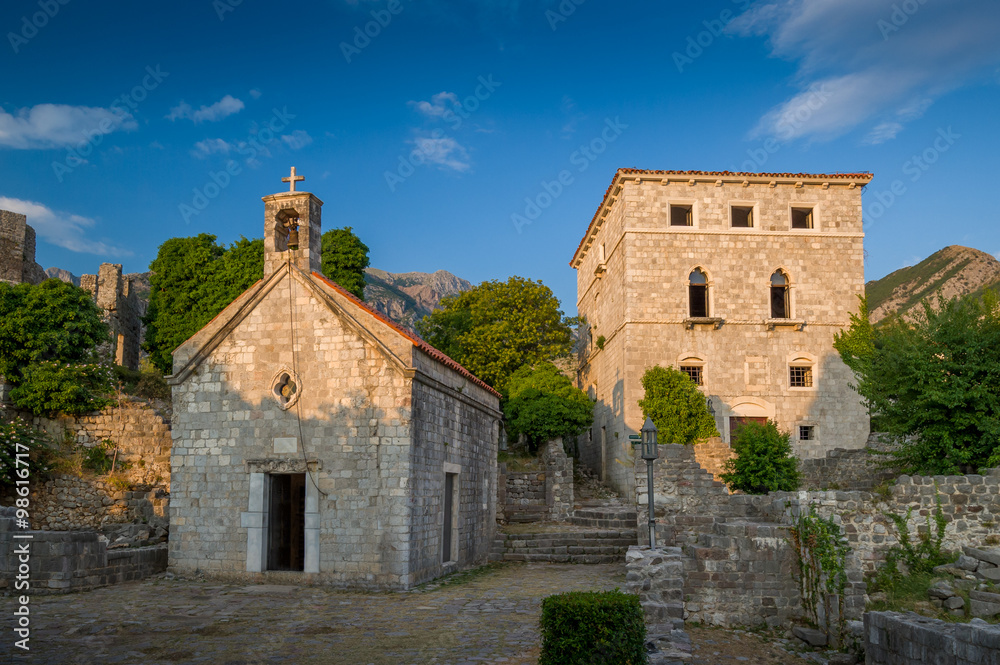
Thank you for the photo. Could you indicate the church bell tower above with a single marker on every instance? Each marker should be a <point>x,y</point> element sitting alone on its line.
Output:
<point>292,228</point>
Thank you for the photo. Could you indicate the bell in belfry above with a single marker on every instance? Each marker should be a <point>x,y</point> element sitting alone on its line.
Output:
<point>293,233</point>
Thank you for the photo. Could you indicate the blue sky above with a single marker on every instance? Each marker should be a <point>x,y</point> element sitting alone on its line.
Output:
<point>125,124</point>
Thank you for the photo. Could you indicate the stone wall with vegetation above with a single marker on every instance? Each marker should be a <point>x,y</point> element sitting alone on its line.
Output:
<point>67,502</point>
<point>910,639</point>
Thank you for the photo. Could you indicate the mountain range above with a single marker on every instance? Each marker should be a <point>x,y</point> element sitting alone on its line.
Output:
<point>950,272</point>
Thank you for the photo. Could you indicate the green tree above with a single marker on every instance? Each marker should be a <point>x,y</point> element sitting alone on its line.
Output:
<point>933,384</point>
<point>498,327</point>
<point>193,279</point>
<point>544,404</point>
<point>49,339</point>
<point>763,462</point>
<point>678,409</point>
<point>345,258</point>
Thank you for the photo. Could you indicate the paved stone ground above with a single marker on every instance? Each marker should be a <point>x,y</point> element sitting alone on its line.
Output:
<point>489,618</point>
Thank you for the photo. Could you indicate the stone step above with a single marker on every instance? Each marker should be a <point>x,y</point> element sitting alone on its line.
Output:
<point>626,534</point>
<point>609,517</point>
<point>569,546</point>
<point>566,558</point>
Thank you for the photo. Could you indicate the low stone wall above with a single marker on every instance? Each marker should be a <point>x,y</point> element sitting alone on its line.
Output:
<point>854,470</point>
<point>70,561</point>
<point>910,639</point>
<point>712,455</point>
<point>546,493</point>
<point>141,433</point>
<point>70,503</point>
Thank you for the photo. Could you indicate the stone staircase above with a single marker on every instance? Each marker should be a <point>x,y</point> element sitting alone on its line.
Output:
<point>564,544</point>
<point>605,517</point>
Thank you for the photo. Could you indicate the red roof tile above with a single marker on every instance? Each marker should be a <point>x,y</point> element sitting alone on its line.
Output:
<point>815,176</point>
<point>415,339</point>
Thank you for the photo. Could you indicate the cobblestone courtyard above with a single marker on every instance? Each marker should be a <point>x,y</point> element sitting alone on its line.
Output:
<point>487,618</point>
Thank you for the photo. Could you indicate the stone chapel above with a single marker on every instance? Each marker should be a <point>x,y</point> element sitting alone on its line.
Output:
<point>739,280</point>
<point>316,440</point>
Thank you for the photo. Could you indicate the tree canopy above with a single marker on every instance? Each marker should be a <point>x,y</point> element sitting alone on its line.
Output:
<point>544,404</point>
<point>678,409</point>
<point>933,384</point>
<point>498,327</point>
<point>193,279</point>
<point>345,258</point>
<point>49,339</point>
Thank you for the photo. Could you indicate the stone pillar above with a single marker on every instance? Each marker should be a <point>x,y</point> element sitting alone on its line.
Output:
<point>311,564</point>
<point>558,480</point>
<point>255,522</point>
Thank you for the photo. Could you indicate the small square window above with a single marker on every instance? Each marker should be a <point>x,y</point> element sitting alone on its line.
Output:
<point>681,215</point>
<point>695,372</point>
<point>800,377</point>
<point>807,433</point>
<point>802,218</point>
<point>742,217</point>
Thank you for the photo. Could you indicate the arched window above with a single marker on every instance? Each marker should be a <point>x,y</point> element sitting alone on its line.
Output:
<point>780,304</point>
<point>698,293</point>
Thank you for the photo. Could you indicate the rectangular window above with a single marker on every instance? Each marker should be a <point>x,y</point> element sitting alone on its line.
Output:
<point>802,218</point>
<point>693,371</point>
<point>699,301</point>
<point>800,376</point>
<point>681,215</point>
<point>448,543</point>
<point>742,217</point>
<point>806,433</point>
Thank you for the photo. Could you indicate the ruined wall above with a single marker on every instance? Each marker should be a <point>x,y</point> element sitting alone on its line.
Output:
<point>66,502</point>
<point>117,299</point>
<point>858,469</point>
<point>17,250</point>
<point>892,638</point>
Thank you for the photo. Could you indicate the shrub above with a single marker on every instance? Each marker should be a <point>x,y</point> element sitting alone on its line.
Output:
<point>52,387</point>
<point>146,382</point>
<point>677,407</point>
<point>101,457</point>
<point>544,404</point>
<point>593,628</point>
<point>763,461</point>
<point>17,436</point>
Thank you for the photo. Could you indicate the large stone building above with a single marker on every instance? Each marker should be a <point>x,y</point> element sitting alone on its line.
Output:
<point>312,435</point>
<point>739,279</point>
<point>17,250</point>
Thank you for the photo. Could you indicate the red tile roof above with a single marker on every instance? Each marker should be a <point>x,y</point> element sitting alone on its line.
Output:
<point>864,175</point>
<point>417,342</point>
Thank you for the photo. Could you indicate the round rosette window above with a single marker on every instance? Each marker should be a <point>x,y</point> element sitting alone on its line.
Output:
<point>286,388</point>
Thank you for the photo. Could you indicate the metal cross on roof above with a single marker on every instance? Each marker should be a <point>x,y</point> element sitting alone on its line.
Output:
<point>292,179</point>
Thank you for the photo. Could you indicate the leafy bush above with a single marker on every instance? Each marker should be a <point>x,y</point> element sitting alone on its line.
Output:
<point>17,436</point>
<point>763,461</point>
<point>919,558</point>
<point>677,407</point>
<point>52,387</point>
<point>593,628</point>
<point>544,404</point>
<point>101,457</point>
<point>147,382</point>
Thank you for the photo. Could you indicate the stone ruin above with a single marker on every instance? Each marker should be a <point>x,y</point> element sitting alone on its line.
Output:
<point>17,250</point>
<point>117,299</point>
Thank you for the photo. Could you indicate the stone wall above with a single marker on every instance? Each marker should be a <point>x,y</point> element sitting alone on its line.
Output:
<point>543,493</point>
<point>70,561</point>
<point>843,469</point>
<point>558,480</point>
<point>17,250</point>
<point>712,455</point>
<point>72,503</point>
<point>910,639</point>
<point>117,299</point>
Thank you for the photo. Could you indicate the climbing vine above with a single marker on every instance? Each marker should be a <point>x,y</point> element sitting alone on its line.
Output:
<point>821,553</point>
<point>920,557</point>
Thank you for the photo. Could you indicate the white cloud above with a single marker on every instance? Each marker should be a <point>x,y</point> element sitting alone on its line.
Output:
<point>445,152</point>
<point>61,229</point>
<point>876,61</point>
<point>440,104</point>
<point>223,108</point>
<point>59,126</point>
<point>255,93</point>
<point>208,147</point>
<point>297,139</point>
<point>883,132</point>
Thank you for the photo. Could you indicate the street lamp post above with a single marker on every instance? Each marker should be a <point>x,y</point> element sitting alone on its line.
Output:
<point>650,453</point>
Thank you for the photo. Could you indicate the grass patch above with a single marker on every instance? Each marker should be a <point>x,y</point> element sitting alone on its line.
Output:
<point>464,576</point>
<point>519,462</point>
